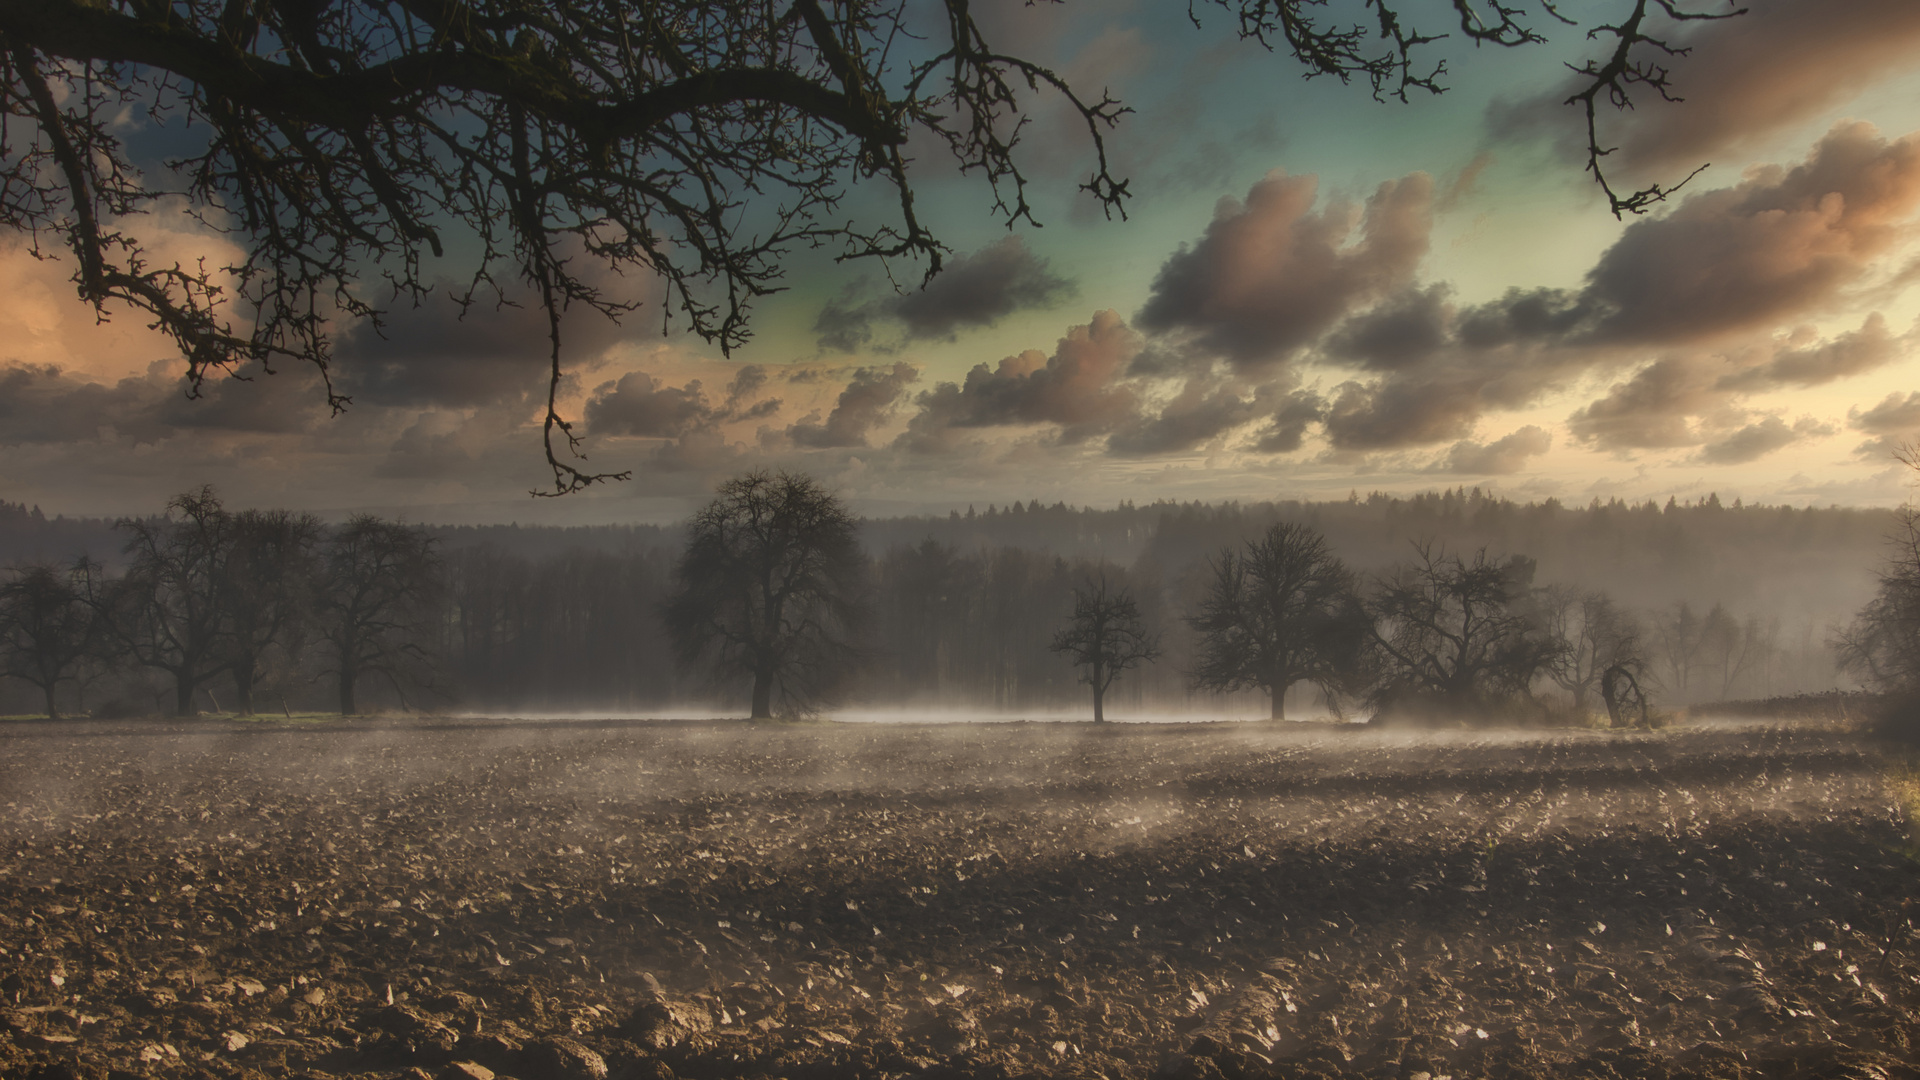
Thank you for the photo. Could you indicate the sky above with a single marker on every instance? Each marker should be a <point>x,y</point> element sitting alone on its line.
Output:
<point>1312,293</point>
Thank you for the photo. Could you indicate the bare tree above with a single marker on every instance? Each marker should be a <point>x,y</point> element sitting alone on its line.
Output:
<point>1105,636</point>
<point>1882,646</point>
<point>378,585</point>
<point>167,611</point>
<point>772,586</point>
<point>266,589</point>
<point>1283,611</point>
<point>1594,634</point>
<point>1679,637</point>
<point>1461,633</point>
<point>47,629</point>
<point>696,142</point>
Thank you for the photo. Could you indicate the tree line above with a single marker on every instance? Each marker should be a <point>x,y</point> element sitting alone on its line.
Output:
<point>228,600</point>
<point>229,609</point>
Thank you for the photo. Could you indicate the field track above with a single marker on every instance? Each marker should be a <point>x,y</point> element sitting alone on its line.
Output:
<point>581,899</point>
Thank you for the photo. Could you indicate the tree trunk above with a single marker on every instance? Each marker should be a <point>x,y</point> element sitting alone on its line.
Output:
<point>243,687</point>
<point>183,690</point>
<point>1278,692</point>
<point>347,706</point>
<point>1099,705</point>
<point>53,711</point>
<point>762,695</point>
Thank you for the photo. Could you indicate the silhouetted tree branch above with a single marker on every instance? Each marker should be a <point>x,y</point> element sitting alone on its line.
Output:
<point>698,143</point>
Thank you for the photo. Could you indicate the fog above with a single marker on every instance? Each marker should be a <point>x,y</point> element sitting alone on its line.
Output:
<point>559,622</point>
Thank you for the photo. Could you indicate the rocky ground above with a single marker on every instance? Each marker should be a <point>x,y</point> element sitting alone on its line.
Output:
<point>576,900</point>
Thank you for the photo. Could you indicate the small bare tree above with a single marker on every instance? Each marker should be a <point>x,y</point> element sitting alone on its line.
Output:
<point>1594,635</point>
<point>47,629</point>
<point>772,586</point>
<point>1105,636</point>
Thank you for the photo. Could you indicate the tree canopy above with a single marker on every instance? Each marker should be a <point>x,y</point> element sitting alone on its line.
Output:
<point>557,147</point>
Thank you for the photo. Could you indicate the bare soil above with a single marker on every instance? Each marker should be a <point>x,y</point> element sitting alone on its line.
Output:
<point>580,899</point>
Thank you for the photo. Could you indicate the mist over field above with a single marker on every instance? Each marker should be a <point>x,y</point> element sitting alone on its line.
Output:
<point>564,621</point>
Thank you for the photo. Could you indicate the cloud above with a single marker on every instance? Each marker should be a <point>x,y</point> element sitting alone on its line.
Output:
<point>636,404</point>
<point>1287,429</point>
<point>1660,404</point>
<point>1204,409</point>
<point>1894,422</point>
<point>1402,331</point>
<point>1502,457</point>
<point>1744,79</point>
<point>1781,243</point>
<point>640,405</point>
<point>43,403</point>
<point>1271,275</point>
<point>866,403</point>
<point>1075,388</point>
<point>432,355</point>
<point>1398,413</point>
<point>1811,364</point>
<point>1650,410</point>
<point>975,290</point>
<point>1757,440</point>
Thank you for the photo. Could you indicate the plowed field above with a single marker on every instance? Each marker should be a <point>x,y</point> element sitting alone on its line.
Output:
<point>473,898</point>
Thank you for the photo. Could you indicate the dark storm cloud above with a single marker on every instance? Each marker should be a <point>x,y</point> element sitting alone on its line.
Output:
<point>431,355</point>
<point>1502,457</point>
<point>1074,389</point>
<point>975,290</point>
<point>865,404</point>
<point>1271,275</point>
<point>1758,439</point>
<point>1781,64</point>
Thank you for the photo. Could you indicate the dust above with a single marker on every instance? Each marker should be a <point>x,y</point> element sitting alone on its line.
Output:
<point>588,897</point>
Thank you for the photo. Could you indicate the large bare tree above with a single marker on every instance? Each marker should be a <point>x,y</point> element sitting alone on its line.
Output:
<point>772,587</point>
<point>694,142</point>
<point>267,590</point>
<point>379,583</point>
<point>1282,610</point>
<point>167,612</point>
<point>1460,633</point>
<point>47,629</point>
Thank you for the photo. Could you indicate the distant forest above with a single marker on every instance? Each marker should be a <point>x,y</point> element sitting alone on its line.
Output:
<point>1733,601</point>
